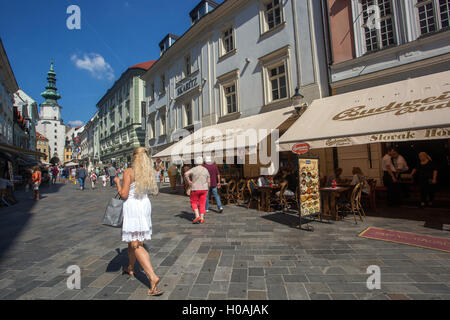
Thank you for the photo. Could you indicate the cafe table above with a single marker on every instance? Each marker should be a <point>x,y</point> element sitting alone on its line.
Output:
<point>265,194</point>
<point>329,195</point>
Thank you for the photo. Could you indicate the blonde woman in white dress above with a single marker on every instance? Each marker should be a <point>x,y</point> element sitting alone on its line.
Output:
<point>137,224</point>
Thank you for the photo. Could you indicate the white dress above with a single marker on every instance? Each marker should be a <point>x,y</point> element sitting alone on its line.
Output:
<point>137,217</point>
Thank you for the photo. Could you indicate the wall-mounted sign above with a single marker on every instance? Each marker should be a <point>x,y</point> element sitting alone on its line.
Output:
<point>300,148</point>
<point>187,85</point>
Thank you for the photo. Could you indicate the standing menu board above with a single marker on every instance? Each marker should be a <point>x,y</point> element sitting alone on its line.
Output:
<point>309,180</point>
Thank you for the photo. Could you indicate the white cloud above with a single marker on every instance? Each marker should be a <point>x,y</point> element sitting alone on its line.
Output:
<point>76,123</point>
<point>95,64</point>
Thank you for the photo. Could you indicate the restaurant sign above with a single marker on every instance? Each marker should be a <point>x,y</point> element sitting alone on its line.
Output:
<point>300,148</point>
<point>398,109</point>
<point>187,85</point>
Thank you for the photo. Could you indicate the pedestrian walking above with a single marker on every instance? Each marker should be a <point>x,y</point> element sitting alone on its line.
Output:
<point>74,174</point>
<point>81,176</point>
<point>173,172</point>
<point>137,224</point>
<point>36,180</point>
<point>93,178</point>
<point>55,172</point>
<point>426,175</point>
<point>112,172</point>
<point>103,178</point>
<point>199,189</point>
<point>214,176</point>
<point>158,177</point>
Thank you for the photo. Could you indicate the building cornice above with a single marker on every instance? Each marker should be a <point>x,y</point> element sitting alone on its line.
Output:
<point>392,71</point>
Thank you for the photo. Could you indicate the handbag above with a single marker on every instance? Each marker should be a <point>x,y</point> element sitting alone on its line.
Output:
<point>114,213</point>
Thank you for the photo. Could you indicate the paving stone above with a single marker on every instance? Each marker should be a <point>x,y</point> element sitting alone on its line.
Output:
<point>237,291</point>
<point>276,292</point>
<point>319,296</point>
<point>343,296</point>
<point>239,275</point>
<point>433,288</point>
<point>294,278</point>
<point>199,291</point>
<point>204,278</point>
<point>296,291</point>
<point>257,295</point>
<point>220,286</point>
<point>180,292</point>
<point>257,283</point>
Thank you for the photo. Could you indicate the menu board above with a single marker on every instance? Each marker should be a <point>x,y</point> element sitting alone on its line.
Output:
<point>309,180</point>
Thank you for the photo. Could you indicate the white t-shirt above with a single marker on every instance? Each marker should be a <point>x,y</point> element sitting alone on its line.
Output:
<point>262,182</point>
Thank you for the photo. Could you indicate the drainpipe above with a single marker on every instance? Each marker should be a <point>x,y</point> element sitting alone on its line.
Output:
<point>297,48</point>
<point>327,39</point>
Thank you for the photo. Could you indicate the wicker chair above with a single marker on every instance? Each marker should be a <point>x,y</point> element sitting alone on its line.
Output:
<point>253,194</point>
<point>286,201</point>
<point>241,190</point>
<point>230,192</point>
<point>354,206</point>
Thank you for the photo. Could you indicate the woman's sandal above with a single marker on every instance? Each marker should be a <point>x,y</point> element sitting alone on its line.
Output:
<point>155,291</point>
<point>196,220</point>
<point>128,271</point>
<point>202,221</point>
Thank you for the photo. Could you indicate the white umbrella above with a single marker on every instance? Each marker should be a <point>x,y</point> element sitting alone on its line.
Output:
<point>71,164</point>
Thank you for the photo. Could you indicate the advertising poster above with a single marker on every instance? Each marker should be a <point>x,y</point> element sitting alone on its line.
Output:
<point>309,179</point>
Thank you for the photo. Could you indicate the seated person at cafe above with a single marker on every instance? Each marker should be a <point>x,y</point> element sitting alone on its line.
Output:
<point>358,177</point>
<point>262,181</point>
<point>336,176</point>
<point>285,180</point>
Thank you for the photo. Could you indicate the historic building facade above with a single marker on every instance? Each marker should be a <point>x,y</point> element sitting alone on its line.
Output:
<point>50,122</point>
<point>8,86</point>
<point>43,147</point>
<point>120,117</point>
<point>238,59</point>
<point>28,110</point>
<point>377,42</point>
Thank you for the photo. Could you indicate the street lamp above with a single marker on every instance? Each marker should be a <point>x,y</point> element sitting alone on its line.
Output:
<point>296,98</point>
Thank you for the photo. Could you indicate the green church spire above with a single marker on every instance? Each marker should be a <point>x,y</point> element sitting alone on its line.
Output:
<point>50,94</point>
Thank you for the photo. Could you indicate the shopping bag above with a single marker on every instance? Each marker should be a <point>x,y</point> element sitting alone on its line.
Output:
<point>113,215</point>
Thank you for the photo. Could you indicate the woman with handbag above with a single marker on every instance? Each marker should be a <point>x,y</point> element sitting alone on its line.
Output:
<point>137,225</point>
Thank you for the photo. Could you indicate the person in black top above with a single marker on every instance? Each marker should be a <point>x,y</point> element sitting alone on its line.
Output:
<point>426,177</point>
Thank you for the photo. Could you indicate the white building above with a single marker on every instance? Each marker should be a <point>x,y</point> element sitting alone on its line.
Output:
<point>238,59</point>
<point>50,122</point>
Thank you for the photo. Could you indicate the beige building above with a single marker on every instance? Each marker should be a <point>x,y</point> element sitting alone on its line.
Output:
<point>42,146</point>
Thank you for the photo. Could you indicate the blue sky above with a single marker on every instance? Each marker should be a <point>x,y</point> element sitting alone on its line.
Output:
<point>114,35</point>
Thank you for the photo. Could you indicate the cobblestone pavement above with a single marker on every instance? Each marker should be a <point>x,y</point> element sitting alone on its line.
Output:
<point>240,254</point>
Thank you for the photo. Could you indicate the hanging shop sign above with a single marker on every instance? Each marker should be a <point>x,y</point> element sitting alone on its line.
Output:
<point>186,85</point>
<point>300,148</point>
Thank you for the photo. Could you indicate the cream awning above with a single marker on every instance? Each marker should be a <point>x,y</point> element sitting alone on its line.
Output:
<point>228,138</point>
<point>413,109</point>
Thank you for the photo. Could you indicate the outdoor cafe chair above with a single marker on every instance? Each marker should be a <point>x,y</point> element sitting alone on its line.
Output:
<point>353,205</point>
<point>241,190</point>
<point>230,191</point>
<point>286,201</point>
<point>253,194</point>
